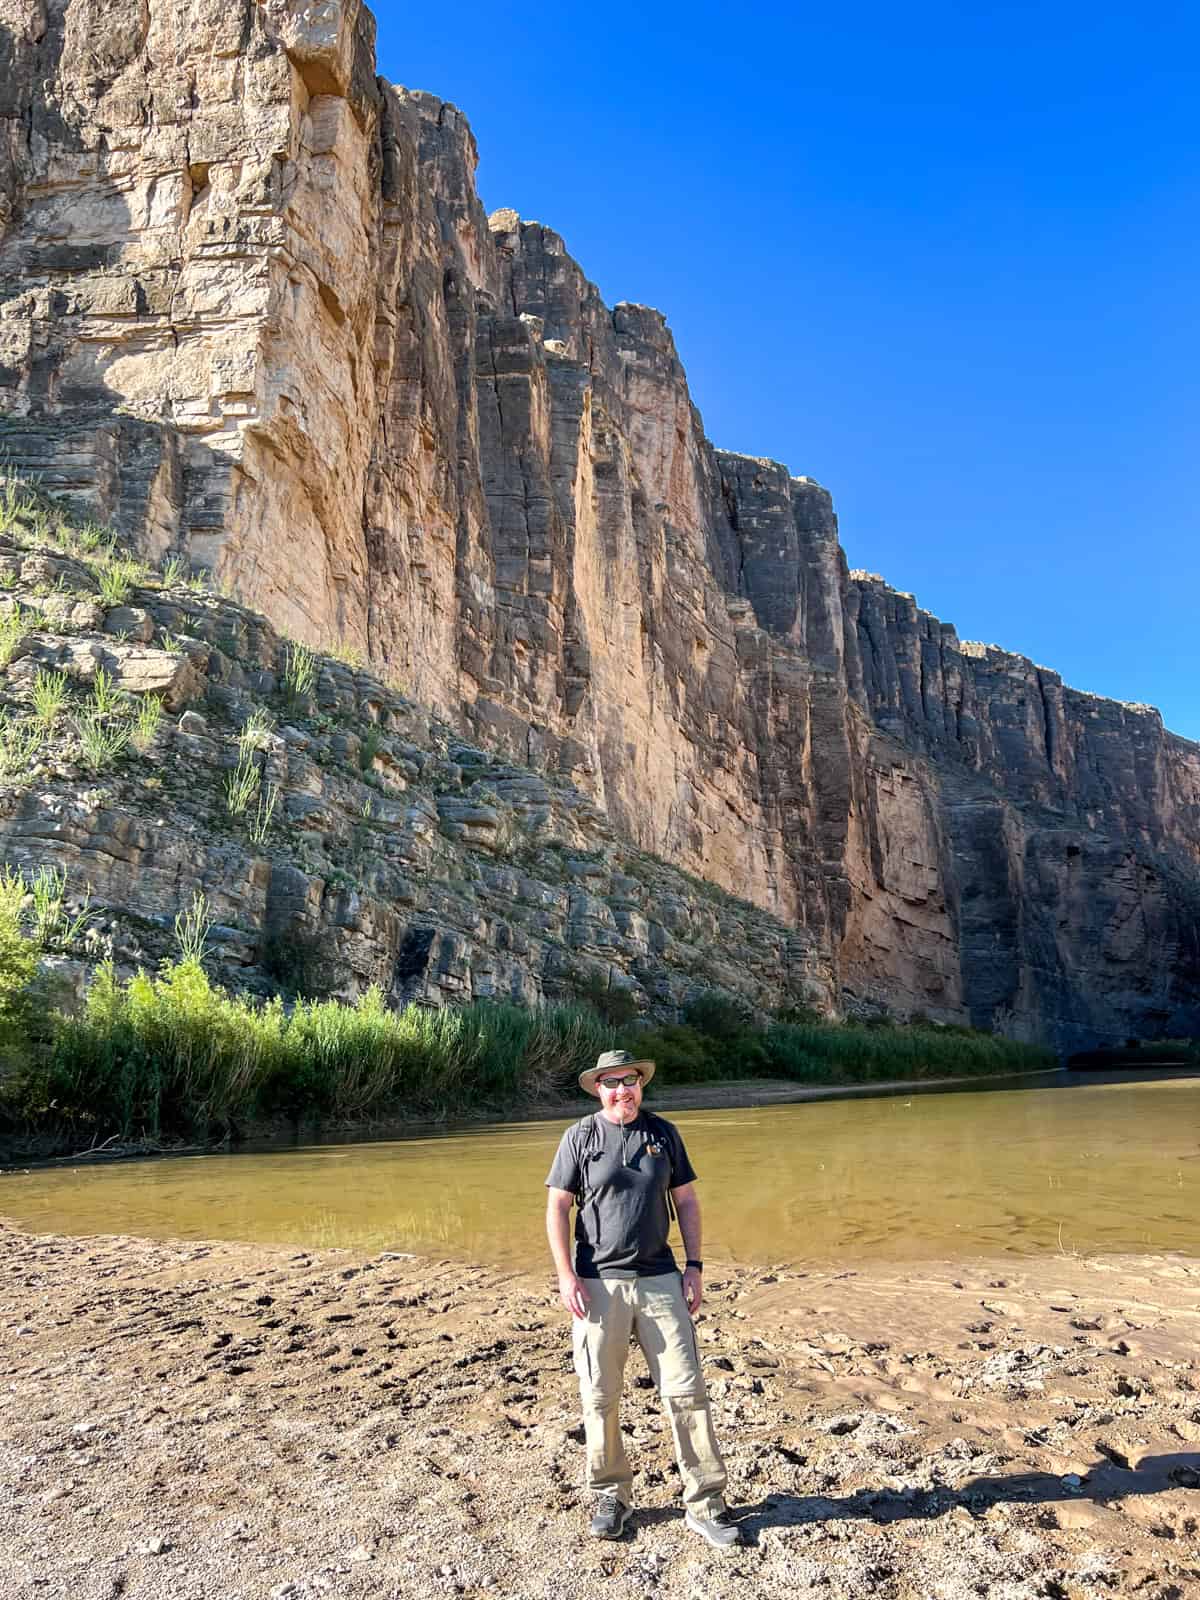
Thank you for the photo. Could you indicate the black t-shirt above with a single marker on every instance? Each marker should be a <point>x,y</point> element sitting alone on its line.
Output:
<point>623,1172</point>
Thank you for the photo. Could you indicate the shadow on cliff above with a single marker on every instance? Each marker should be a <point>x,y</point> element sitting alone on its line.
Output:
<point>60,423</point>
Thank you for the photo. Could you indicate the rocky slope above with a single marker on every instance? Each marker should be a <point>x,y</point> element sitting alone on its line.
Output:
<point>251,308</point>
<point>340,835</point>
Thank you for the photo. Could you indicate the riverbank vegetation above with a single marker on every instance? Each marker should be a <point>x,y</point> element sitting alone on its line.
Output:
<point>172,1056</point>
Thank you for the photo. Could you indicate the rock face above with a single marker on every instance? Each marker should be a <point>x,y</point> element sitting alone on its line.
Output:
<point>370,844</point>
<point>251,309</point>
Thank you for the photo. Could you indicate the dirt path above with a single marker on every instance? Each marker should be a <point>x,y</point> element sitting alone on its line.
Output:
<point>224,1422</point>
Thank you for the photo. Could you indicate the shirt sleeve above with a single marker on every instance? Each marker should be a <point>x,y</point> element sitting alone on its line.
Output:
<point>564,1172</point>
<point>682,1170</point>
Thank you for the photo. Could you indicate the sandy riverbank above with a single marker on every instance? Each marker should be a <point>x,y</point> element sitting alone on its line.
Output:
<point>225,1422</point>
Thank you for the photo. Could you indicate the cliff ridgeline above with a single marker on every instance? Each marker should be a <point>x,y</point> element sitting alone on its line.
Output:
<point>252,313</point>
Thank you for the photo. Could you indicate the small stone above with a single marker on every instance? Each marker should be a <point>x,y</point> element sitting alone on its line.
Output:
<point>156,1546</point>
<point>361,1552</point>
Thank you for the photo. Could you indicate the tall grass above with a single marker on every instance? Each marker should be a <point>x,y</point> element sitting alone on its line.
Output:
<point>849,1053</point>
<point>176,1055</point>
<point>715,1043</point>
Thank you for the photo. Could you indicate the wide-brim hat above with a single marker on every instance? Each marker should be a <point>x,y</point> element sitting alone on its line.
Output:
<point>614,1061</point>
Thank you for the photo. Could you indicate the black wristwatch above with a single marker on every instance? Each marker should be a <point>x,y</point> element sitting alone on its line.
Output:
<point>699,1265</point>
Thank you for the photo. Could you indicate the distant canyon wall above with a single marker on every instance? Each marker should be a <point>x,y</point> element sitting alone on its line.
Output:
<point>252,310</point>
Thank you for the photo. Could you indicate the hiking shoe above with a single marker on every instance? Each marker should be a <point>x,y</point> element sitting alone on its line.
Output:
<point>609,1518</point>
<point>720,1532</point>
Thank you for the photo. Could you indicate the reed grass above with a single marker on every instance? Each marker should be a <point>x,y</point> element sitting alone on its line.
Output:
<point>175,1055</point>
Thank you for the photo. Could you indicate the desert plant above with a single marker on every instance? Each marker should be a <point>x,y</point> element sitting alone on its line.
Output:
<point>13,628</point>
<point>350,655</point>
<point>119,578</point>
<point>299,670</point>
<point>255,732</point>
<point>192,928</point>
<point>108,698</point>
<point>259,825</point>
<point>16,501</point>
<point>173,570</point>
<point>146,722</point>
<point>54,927</point>
<point>49,695</point>
<point>241,786</point>
<point>92,536</point>
<point>99,741</point>
<point>20,743</point>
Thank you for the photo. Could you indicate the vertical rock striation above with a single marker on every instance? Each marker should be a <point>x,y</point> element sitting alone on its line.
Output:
<point>251,308</point>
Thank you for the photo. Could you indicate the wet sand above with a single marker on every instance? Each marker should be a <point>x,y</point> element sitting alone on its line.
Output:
<point>228,1422</point>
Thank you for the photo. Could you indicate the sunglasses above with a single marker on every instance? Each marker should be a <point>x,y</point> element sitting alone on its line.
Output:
<point>625,1082</point>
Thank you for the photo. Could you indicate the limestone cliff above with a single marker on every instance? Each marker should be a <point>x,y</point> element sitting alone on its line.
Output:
<point>252,310</point>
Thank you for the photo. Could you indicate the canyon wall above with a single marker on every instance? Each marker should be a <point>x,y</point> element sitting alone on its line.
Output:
<point>251,310</point>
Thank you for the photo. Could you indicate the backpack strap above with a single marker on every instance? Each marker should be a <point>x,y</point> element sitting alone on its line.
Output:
<point>590,1142</point>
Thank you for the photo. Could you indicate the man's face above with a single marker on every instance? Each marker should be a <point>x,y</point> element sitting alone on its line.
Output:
<point>620,1094</point>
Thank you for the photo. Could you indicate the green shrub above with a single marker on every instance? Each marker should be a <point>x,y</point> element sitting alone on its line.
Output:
<point>681,1053</point>
<point>617,1005</point>
<point>718,1015</point>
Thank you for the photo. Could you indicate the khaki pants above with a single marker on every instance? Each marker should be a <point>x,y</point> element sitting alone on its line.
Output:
<point>654,1309</point>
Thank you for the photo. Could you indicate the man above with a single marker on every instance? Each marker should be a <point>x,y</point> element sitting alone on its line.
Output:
<point>618,1167</point>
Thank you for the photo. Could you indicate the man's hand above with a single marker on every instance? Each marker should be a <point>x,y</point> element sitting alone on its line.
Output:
<point>692,1291</point>
<point>572,1294</point>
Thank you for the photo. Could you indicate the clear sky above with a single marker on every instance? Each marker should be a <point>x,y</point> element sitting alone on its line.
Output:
<point>942,258</point>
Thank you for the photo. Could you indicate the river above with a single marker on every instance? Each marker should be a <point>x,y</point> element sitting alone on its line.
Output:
<point>1086,1165</point>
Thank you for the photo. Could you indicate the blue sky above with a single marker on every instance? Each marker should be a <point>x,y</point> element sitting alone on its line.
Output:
<point>943,260</point>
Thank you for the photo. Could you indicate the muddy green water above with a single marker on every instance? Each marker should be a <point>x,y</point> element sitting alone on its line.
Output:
<point>1088,1166</point>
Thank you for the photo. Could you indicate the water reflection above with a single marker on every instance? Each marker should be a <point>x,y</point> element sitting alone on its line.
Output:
<point>1089,1166</point>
